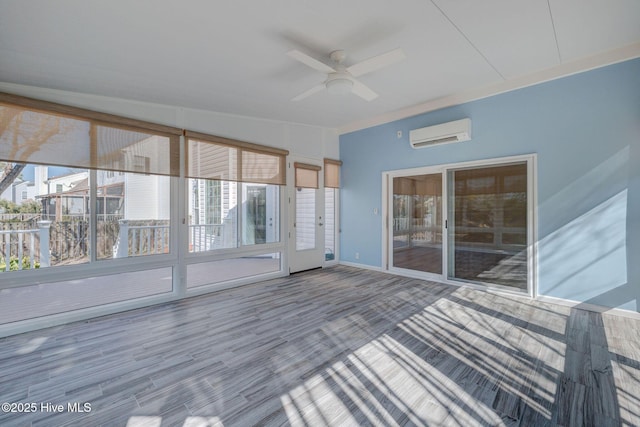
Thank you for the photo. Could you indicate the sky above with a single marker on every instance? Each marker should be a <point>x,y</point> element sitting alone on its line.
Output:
<point>28,171</point>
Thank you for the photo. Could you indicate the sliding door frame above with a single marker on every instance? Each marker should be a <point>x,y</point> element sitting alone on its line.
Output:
<point>532,224</point>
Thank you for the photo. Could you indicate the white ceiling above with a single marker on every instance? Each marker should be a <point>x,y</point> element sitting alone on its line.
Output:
<point>230,56</point>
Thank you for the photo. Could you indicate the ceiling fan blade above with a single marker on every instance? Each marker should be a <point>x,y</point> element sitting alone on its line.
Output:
<point>377,62</point>
<point>310,62</point>
<point>310,92</point>
<point>363,91</point>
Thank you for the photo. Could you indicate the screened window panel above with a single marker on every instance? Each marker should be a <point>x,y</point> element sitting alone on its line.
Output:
<point>35,137</point>
<point>223,160</point>
<point>211,161</point>
<point>332,173</point>
<point>306,175</point>
<point>131,151</point>
<point>30,136</point>
<point>262,168</point>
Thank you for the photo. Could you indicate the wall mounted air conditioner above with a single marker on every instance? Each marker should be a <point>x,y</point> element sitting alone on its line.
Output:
<point>445,133</point>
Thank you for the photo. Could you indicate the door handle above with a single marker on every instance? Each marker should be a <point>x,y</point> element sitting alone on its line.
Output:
<point>320,224</point>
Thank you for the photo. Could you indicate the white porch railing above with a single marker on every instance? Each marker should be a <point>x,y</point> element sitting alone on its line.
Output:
<point>32,246</point>
<point>135,240</point>
<point>154,239</point>
<point>21,244</point>
<point>205,237</point>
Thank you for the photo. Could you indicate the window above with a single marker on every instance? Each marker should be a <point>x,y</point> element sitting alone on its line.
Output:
<point>330,208</point>
<point>225,214</point>
<point>213,202</point>
<point>105,186</point>
<point>134,215</point>
<point>141,164</point>
<point>331,189</point>
<point>234,190</point>
<point>24,195</point>
<point>89,164</point>
<point>213,217</point>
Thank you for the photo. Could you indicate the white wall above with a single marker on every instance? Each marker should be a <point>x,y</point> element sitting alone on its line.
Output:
<point>303,140</point>
<point>27,186</point>
<point>40,176</point>
<point>7,194</point>
<point>146,197</point>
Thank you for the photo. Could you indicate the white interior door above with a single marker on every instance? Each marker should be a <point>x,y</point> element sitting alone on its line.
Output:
<point>306,243</point>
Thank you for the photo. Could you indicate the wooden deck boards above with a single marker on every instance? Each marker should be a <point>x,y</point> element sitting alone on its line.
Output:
<point>339,346</point>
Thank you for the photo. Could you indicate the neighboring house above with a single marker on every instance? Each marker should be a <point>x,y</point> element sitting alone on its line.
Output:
<point>20,191</point>
<point>12,195</point>
<point>24,191</point>
<point>66,196</point>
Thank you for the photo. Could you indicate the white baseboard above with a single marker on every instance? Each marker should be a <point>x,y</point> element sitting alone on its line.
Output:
<point>542,298</point>
<point>589,307</point>
<point>363,266</point>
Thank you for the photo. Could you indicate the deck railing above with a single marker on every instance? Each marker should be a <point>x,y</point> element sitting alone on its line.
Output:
<point>154,239</point>
<point>32,248</point>
<point>141,240</point>
<point>205,237</point>
<point>28,248</point>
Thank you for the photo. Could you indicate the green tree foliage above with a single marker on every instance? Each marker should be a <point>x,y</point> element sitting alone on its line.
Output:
<point>30,206</point>
<point>14,266</point>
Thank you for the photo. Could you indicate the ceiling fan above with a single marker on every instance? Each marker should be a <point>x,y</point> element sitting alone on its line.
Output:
<point>341,79</point>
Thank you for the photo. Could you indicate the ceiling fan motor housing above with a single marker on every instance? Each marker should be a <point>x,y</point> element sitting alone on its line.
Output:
<point>339,83</point>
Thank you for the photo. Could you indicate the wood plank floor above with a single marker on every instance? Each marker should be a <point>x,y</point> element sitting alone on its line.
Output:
<point>339,346</point>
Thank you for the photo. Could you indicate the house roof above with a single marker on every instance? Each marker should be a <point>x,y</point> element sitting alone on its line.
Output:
<point>231,57</point>
<point>77,187</point>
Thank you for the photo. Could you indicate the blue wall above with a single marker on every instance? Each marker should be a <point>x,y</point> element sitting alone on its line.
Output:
<point>585,130</point>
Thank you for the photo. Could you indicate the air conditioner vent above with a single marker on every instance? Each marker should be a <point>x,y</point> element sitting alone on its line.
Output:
<point>456,131</point>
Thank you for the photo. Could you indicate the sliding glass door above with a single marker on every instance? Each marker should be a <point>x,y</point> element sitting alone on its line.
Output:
<point>417,223</point>
<point>463,222</point>
<point>487,225</point>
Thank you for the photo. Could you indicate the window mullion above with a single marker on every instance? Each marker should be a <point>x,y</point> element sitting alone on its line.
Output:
<point>93,194</point>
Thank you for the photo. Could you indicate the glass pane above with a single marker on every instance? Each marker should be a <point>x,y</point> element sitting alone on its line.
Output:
<point>305,218</point>
<point>29,136</point>
<point>133,213</point>
<point>213,214</point>
<point>44,217</point>
<point>31,301</point>
<point>330,224</point>
<point>260,214</point>
<point>417,223</point>
<point>231,269</point>
<point>233,161</point>
<point>488,225</point>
